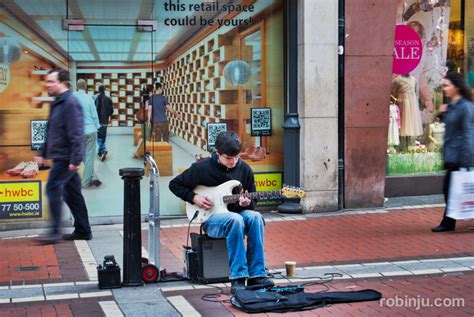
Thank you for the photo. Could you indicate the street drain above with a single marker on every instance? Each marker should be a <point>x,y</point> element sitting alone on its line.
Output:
<point>27,268</point>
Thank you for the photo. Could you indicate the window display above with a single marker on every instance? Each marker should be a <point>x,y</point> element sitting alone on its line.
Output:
<point>418,93</point>
<point>216,62</point>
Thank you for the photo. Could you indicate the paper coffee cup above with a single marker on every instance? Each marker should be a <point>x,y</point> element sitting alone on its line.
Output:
<point>290,268</point>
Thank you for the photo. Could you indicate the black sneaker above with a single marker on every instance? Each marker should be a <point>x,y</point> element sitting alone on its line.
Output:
<point>259,282</point>
<point>237,284</point>
<point>441,228</point>
<point>77,236</point>
<point>96,182</point>
<point>51,238</point>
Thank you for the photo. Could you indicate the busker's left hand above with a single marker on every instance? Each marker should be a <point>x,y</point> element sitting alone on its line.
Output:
<point>244,201</point>
<point>73,167</point>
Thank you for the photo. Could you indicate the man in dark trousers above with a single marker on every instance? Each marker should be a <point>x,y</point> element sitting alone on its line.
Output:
<point>65,146</point>
<point>225,165</point>
<point>157,107</point>
<point>105,109</point>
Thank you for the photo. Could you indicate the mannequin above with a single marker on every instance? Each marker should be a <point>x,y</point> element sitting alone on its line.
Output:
<point>393,125</point>
<point>404,89</point>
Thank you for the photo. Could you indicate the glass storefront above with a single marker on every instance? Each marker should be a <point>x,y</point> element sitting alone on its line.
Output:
<point>415,136</point>
<point>220,63</point>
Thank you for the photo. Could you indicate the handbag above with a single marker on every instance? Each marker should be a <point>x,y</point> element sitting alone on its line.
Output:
<point>142,115</point>
<point>461,195</point>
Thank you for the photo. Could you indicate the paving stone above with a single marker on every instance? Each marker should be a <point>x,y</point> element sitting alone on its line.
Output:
<point>70,289</point>
<point>147,293</point>
<point>149,309</point>
<point>19,293</point>
<point>466,262</point>
<point>368,269</point>
<point>429,265</point>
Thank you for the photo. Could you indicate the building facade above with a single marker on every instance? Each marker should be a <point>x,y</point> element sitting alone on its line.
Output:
<point>306,84</point>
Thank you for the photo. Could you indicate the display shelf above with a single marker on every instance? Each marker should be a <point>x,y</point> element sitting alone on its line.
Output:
<point>125,91</point>
<point>198,92</point>
<point>43,99</point>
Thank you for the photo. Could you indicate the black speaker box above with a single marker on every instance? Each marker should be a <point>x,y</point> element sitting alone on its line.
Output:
<point>213,262</point>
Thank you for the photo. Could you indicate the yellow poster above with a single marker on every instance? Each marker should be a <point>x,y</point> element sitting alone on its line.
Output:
<point>268,181</point>
<point>20,199</point>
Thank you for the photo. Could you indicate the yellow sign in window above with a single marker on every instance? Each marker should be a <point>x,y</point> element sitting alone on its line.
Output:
<point>20,191</point>
<point>268,181</point>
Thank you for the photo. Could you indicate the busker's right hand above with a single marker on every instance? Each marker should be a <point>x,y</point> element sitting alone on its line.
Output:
<point>202,202</point>
<point>38,159</point>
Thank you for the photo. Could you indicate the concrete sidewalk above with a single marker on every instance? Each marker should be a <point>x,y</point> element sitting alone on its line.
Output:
<point>390,250</point>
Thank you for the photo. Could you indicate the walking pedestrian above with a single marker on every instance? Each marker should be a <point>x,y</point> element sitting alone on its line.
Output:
<point>458,147</point>
<point>105,109</point>
<point>91,125</point>
<point>65,146</point>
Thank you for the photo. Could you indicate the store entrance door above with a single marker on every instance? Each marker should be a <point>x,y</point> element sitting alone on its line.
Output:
<point>119,71</point>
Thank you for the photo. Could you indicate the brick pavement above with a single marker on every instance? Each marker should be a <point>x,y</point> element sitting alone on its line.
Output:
<point>316,240</point>
<point>398,234</point>
<point>61,308</point>
<point>418,296</point>
<point>23,261</point>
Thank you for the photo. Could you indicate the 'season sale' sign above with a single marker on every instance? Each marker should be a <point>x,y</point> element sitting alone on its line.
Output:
<point>407,50</point>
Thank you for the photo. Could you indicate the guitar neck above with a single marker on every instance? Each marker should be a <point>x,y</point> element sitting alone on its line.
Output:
<point>229,199</point>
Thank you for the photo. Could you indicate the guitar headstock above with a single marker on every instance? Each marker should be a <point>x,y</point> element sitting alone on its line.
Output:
<point>290,191</point>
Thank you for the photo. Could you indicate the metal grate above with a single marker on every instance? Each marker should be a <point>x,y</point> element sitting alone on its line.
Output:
<point>27,268</point>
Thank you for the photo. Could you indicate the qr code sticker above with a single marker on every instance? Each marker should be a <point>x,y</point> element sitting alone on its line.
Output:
<point>38,134</point>
<point>213,130</point>
<point>261,121</point>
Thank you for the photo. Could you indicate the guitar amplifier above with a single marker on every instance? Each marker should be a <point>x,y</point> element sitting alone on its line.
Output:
<point>211,256</point>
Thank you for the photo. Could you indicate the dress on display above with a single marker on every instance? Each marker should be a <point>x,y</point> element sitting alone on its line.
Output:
<point>394,125</point>
<point>405,90</point>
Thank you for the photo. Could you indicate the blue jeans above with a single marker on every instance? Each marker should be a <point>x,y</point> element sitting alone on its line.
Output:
<point>233,227</point>
<point>101,136</point>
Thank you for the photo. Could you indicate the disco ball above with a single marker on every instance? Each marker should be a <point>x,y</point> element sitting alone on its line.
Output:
<point>10,51</point>
<point>237,72</point>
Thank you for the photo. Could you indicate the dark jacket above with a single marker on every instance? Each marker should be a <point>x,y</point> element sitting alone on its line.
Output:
<point>209,172</point>
<point>105,108</point>
<point>65,135</point>
<point>458,145</point>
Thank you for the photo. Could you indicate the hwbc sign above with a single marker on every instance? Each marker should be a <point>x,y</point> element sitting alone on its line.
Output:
<point>407,50</point>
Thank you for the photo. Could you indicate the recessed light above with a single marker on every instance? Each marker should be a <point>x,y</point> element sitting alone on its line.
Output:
<point>25,51</point>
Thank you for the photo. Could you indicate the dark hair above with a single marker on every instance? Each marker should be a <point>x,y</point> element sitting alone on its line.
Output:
<point>458,81</point>
<point>228,143</point>
<point>158,86</point>
<point>101,88</point>
<point>420,28</point>
<point>63,75</point>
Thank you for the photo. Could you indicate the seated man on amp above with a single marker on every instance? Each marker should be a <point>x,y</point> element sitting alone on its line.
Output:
<point>222,166</point>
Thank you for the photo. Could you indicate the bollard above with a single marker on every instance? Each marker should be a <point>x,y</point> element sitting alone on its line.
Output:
<point>132,240</point>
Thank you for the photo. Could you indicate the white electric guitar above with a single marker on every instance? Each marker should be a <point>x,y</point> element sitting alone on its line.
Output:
<point>222,195</point>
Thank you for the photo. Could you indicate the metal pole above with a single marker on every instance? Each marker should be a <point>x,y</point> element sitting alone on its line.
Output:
<point>291,126</point>
<point>132,240</point>
<point>341,121</point>
<point>154,213</point>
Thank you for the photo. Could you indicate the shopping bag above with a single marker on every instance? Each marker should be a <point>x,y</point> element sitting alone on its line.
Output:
<point>461,195</point>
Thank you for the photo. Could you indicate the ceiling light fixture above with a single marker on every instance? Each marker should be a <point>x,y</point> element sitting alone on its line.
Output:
<point>10,53</point>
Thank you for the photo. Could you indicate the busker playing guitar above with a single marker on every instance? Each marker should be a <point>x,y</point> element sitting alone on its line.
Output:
<point>222,166</point>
